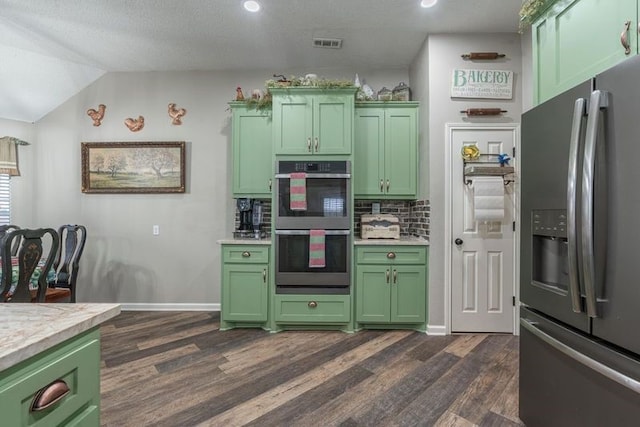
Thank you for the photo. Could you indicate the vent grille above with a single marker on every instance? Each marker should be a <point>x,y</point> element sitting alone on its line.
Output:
<point>327,43</point>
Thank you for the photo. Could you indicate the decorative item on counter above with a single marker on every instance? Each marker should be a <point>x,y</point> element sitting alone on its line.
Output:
<point>282,80</point>
<point>385,94</point>
<point>483,111</point>
<point>176,114</point>
<point>470,152</point>
<point>256,94</point>
<point>239,94</point>
<point>368,92</point>
<point>134,125</point>
<point>97,115</point>
<point>319,82</point>
<point>503,159</point>
<point>402,92</point>
<point>482,55</point>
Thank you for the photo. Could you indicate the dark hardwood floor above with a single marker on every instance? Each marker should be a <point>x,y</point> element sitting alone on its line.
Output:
<point>177,369</point>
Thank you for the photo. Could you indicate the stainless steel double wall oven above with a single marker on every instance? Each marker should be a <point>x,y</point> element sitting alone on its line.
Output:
<point>328,208</point>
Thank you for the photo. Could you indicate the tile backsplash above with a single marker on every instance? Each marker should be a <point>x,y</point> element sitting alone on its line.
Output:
<point>413,215</point>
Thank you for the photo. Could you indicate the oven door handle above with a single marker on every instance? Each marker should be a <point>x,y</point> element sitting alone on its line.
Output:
<point>316,175</point>
<point>306,232</point>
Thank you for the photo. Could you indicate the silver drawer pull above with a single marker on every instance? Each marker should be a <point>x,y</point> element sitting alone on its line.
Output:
<point>312,304</point>
<point>49,395</point>
<point>391,255</point>
<point>246,254</point>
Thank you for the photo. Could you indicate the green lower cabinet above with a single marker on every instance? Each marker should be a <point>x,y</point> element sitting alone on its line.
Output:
<point>245,285</point>
<point>388,290</point>
<point>76,363</point>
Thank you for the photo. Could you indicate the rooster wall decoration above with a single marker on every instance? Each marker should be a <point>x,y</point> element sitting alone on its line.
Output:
<point>97,115</point>
<point>134,125</point>
<point>176,114</point>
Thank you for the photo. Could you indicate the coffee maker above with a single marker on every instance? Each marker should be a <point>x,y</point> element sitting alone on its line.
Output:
<point>245,209</point>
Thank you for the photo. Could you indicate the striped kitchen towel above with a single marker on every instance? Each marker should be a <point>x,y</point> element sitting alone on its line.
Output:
<point>316,249</point>
<point>298,191</point>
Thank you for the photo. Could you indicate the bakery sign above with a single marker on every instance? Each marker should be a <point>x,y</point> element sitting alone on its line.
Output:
<point>494,84</point>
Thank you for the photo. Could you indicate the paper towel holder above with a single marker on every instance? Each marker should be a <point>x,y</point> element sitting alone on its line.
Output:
<point>473,170</point>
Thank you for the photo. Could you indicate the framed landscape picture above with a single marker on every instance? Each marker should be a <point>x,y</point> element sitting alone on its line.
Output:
<point>133,167</point>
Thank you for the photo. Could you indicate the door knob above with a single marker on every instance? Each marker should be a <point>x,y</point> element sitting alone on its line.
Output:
<point>458,241</point>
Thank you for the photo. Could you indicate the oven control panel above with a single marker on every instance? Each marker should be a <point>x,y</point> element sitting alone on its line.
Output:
<point>334,166</point>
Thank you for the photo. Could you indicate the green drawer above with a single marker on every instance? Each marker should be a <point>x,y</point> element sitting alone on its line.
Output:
<point>391,254</point>
<point>319,309</point>
<point>255,254</point>
<point>77,363</point>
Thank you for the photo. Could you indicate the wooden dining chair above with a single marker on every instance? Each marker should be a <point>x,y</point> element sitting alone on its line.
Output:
<point>67,261</point>
<point>36,253</point>
<point>4,229</point>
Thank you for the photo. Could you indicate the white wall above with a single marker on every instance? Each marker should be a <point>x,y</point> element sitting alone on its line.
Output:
<point>123,262</point>
<point>430,74</point>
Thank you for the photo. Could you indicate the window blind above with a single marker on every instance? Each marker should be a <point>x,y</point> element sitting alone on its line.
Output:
<point>5,199</point>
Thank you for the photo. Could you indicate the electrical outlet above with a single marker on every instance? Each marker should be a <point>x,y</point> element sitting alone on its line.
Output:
<point>375,208</point>
<point>156,230</point>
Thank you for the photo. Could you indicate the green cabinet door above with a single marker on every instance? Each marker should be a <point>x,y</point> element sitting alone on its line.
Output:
<point>408,294</point>
<point>244,293</point>
<point>368,152</point>
<point>386,151</point>
<point>576,39</point>
<point>372,294</point>
<point>252,146</point>
<point>401,152</point>
<point>245,285</point>
<point>310,121</point>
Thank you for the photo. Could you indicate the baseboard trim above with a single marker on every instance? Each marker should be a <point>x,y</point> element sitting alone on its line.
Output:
<point>134,306</point>
<point>438,330</point>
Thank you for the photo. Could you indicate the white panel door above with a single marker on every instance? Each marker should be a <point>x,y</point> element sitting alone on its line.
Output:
<point>482,258</point>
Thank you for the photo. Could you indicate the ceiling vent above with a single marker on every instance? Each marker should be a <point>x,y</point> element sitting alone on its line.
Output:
<point>327,43</point>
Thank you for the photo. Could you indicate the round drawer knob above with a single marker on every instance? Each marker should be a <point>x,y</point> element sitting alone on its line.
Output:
<point>312,304</point>
<point>391,255</point>
<point>246,254</point>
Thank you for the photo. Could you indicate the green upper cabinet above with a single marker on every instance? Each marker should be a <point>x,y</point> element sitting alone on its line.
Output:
<point>252,146</point>
<point>576,39</point>
<point>386,150</point>
<point>311,121</point>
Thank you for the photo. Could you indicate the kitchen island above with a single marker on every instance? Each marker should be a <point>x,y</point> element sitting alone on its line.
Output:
<point>50,363</point>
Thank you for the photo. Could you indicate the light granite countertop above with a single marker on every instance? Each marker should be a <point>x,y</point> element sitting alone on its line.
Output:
<point>404,240</point>
<point>28,329</point>
<point>244,241</point>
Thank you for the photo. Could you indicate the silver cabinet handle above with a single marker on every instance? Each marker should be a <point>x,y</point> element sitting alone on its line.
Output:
<point>590,363</point>
<point>599,100</point>
<point>387,274</point>
<point>579,111</point>
<point>387,186</point>
<point>381,185</point>
<point>317,143</point>
<point>264,275</point>
<point>270,184</point>
<point>624,38</point>
<point>246,254</point>
<point>309,144</point>
<point>395,276</point>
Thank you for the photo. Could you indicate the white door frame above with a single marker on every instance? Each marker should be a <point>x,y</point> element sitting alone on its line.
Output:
<point>449,180</point>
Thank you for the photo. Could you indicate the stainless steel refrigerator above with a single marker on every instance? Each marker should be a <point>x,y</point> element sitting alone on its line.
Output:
<point>580,255</point>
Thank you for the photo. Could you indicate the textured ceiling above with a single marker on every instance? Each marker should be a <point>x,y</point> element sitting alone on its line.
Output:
<point>51,49</point>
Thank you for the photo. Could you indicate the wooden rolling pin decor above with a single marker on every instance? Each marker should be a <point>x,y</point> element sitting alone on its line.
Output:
<point>483,111</point>
<point>483,55</point>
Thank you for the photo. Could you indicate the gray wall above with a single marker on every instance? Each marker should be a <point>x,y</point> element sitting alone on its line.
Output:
<point>430,75</point>
<point>123,262</point>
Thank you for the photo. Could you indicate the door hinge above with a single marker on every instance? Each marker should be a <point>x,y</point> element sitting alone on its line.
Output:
<point>513,300</point>
<point>514,152</point>
<point>514,226</point>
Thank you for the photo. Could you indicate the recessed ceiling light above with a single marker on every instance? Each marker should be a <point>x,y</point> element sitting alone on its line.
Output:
<point>252,6</point>
<point>428,3</point>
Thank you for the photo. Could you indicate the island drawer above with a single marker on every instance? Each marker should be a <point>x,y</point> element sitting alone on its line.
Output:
<point>312,309</point>
<point>77,363</point>
<point>244,254</point>
<point>378,254</point>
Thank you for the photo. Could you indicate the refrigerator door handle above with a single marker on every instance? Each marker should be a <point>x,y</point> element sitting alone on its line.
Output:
<point>579,111</point>
<point>599,100</point>
<point>590,363</point>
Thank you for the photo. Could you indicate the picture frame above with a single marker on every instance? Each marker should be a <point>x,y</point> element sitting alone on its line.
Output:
<point>133,167</point>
